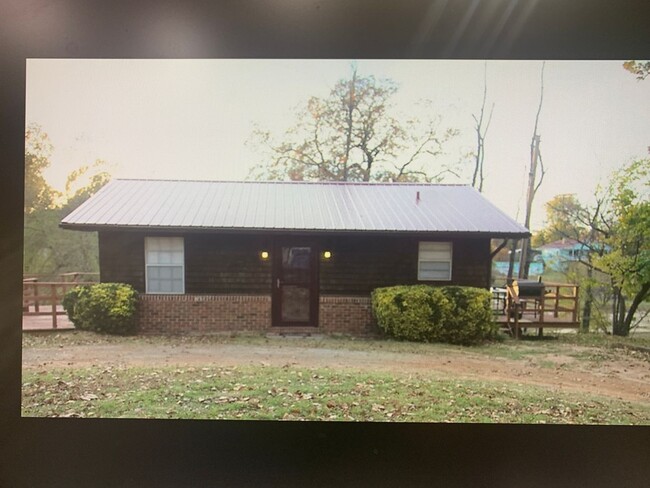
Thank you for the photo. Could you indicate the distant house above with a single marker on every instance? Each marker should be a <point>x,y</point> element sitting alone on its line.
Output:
<point>556,255</point>
<point>284,256</point>
<point>536,266</point>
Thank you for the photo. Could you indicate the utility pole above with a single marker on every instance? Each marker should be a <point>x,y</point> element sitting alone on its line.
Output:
<point>511,258</point>
<point>530,195</point>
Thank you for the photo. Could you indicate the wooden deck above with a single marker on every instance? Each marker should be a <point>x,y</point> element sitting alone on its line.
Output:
<point>43,322</point>
<point>548,322</point>
<point>556,308</point>
<point>42,302</point>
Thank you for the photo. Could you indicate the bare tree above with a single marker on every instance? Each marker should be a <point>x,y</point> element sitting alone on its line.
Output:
<point>354,135</point>
<point>534,182</point>
<point>481,132</point>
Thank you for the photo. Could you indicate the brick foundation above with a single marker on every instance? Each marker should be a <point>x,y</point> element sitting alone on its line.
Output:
<point>173,314</point>
<point>346,315</point>
<point>203,314</point>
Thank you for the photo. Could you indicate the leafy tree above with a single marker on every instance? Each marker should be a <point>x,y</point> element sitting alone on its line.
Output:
<point>616,233</point>
<point>641,69</point>
<point>48,249</point>
<point>353,135</point>
<point>565,217</point>
<point>628,235</point>
<point>38,149</point>
<point>84,182</point>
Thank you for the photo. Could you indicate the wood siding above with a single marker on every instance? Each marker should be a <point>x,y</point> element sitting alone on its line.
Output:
<point>361,263</point>
<point>231,264</point>
<point>223,264</point>
<point>121,258</point>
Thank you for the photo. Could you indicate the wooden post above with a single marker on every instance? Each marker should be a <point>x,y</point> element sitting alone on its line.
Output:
<point>516,321</point>
<point>53,301</point>
<point>575,303</point>
<point>35,290</point>
<point>25,297</point>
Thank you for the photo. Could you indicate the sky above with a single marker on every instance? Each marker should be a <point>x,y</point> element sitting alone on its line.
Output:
<point>193,119</point>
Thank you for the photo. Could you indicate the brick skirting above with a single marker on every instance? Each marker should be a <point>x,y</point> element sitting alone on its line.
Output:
<point>174,314</point>
<point>346,315</point>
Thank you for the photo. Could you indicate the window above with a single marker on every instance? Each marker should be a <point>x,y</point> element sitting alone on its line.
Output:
<point>165,264</point>
<point>434,261</point>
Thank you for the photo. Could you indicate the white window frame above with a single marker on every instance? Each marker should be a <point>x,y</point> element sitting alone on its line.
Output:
<point>450,260</point>
<point>147,265</point>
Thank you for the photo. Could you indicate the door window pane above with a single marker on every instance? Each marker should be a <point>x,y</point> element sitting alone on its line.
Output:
<point>296,264</point>
<point>295,303</point>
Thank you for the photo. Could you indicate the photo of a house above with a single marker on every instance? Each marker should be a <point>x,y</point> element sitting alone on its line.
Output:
<point>333,240</point>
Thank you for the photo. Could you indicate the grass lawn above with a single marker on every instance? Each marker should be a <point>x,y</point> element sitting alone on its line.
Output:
<point>318,393</point>
<point>259,392</point>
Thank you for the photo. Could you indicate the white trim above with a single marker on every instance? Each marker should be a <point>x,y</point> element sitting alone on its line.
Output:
<point>147,265</point>
<point>443,259</point>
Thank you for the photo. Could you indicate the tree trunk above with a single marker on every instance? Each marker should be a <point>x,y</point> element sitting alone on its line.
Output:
<point>618,318</point>
<point>589,298</point>
<point>348,138</point>
<point>511,262</point>
<point>642,295</point>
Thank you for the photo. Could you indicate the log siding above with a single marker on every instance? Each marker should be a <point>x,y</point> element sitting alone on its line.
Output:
<point>226,264</point>
<point>121,258</point>
<point>231,263</point>
<point>361,264</point>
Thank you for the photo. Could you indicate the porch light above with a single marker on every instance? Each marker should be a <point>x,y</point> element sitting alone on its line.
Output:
<point>327,254</point>
<point>264,255</point>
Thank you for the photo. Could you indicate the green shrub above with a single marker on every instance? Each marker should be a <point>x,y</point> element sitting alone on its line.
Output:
<point>108,308</point>
<point>412,313</point>
<point>70,301</point>
<point>471,320</point>
<point>453,314</point>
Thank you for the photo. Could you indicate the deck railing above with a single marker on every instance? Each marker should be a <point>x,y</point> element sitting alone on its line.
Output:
<point>557,307</point>
<point>46,294</point>
<point>557,295</point>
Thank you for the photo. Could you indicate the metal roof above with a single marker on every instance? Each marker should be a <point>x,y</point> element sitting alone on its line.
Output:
<point>562,244</point>
<point>292,206</point>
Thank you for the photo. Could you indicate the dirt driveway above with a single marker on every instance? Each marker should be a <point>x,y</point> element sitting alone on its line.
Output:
<point>623,377</point>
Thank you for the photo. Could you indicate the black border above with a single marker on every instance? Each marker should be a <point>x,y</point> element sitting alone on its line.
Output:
<point>83,452</point>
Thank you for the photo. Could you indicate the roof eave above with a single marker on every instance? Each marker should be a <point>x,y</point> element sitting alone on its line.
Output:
<point>239,230</point>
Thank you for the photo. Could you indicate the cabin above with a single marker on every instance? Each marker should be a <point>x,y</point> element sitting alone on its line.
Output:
<point>301,257</point>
